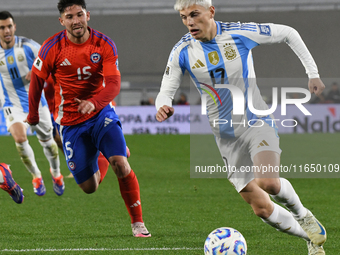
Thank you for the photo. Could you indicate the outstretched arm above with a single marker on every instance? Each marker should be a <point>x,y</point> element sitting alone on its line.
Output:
<point>170,83</point>
<point>293,39</point>
<point>34,95</point>
<point>274,33</point>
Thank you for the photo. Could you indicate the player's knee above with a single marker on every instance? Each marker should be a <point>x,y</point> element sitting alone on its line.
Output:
<point>262,211</point>
<point>22,148</point>
<point>20,139</point>
<point>120,166</point>
<point>90,185</point>
<point>271,186</point>
<point>51,146</point>
<point>122,170</point>
<point>89,188</point>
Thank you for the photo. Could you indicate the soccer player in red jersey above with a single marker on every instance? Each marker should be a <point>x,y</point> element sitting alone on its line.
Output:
<point>80,59</point>
<point>103,164</point>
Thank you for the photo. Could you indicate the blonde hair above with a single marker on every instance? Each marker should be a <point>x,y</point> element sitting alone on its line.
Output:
<point>182,4</point>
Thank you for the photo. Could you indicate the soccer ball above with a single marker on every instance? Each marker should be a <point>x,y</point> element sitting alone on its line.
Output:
<point>225,241</point>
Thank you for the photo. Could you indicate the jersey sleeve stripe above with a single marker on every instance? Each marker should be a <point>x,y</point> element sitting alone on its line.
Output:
<point>45,48</point>
<point>30,43</point>
<point>218,25</point>
<point>186,38</point>
<point>106,39</point>
<point>29,56</point>
<point>238,26</point>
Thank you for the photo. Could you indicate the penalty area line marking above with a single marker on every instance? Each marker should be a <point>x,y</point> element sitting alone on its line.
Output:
<point>102,249</point>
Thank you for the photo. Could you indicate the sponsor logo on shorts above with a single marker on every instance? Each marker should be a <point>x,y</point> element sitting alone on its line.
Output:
<point>71,165</point>
<point>107,121</point>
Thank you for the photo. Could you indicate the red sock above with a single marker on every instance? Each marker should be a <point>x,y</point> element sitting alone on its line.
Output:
<point>129,188</point>
<point>103,165</point>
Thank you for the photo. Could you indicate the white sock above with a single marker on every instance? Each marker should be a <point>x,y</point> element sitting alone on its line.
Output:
<point>288,197</point>
<point>51,153</point>
<point>1,178</point>
<point>283,221</point>
<point>27,156</point>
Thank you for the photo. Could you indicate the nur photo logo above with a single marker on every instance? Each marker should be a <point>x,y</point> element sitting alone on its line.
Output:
<point>239,104</point>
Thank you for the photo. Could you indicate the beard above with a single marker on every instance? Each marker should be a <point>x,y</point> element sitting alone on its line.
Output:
<point>7,42</point>
<point>77,35</point>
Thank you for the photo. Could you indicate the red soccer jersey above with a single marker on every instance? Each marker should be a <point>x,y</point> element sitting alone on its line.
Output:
<point>49,93</point>
<point>78,71</point>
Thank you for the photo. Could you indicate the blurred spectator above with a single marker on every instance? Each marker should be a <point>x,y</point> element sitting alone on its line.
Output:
<point>182,100</point>
<point>333,96</point>
<point>320,99</point>
<point>150,101</point>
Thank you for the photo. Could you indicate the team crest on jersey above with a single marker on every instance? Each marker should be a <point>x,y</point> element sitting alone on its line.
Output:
<point>38,63</point>
<point>21,58</point>
<point>265,30</point>
<point>10,60</point>
<point>214,58</point>
<point>95,57</point>
<point>71,165</point>
<point>229,51</point>
<point>117,64</point>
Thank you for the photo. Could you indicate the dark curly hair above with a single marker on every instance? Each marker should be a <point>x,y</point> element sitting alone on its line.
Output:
<point>5,15</point>
<point>63,4</point>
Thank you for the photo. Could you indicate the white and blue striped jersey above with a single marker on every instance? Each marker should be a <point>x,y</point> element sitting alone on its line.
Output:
<point>227,59</point>
<point>15,63</point>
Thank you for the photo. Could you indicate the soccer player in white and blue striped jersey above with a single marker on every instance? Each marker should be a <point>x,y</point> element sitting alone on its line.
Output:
<point>220,53</point>
<point>16,59</point>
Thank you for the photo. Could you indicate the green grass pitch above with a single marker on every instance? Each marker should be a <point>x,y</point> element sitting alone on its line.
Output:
<point>179,211</point>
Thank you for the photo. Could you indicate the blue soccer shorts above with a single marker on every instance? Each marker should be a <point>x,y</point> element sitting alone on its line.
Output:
<point>55,125</point>
<point>82,143</point>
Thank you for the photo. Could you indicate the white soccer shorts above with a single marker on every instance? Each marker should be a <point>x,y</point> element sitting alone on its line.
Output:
<point>238,153</point>
<point>43,129</point>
